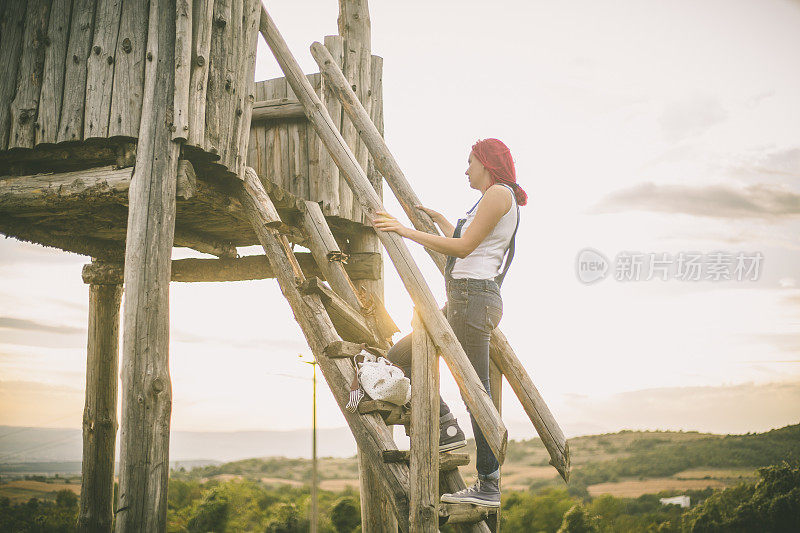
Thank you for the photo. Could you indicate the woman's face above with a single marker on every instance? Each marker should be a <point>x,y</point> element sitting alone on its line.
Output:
<point>479,177</point>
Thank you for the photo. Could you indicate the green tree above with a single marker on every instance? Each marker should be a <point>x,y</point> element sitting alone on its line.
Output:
<point>285,518</point>
<point>577,520</point>
<point>66,499</point>
<point>524,512</point>
<point>210,514</point>
<point>772,505</point>
<point>346,515</point>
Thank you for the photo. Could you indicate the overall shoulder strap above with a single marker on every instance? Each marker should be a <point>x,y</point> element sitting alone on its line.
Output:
<point>511,245</point>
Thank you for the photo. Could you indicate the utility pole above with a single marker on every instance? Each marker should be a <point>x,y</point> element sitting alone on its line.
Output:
<point>314,506</point>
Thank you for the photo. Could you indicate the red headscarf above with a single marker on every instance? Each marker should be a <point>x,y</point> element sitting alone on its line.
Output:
<point>496,157</point>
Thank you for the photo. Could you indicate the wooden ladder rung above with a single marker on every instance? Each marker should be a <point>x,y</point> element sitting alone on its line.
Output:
<point>343,349</point>
<point>463,513</point>
<point>349,323</point>
<point>447,460</point>
<point>392,414</point>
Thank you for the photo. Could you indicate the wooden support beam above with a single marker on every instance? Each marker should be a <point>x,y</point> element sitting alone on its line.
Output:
<point>100,410</point>
<point>501,352</point>
<point>24,231</point>
<point>257,267</point>
<point>277,109</point>
<point>447,460</point>
<point>370,432</point>
<point>82,186</point>
<point>267,214</point>
<point>349,323</point>
<point>496,387</point>
<point>472,390</point>
<point>195,270</point>
<point>44,190</point>
<point>203,243</point>
<point>503,355</point>
<point>424,431</point>
<point>146,385</point>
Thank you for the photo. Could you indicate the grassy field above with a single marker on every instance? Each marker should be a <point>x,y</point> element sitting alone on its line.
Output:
<point>22,490</point>
<point>628,463</point>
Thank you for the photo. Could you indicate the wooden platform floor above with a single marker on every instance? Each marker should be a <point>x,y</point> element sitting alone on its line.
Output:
<point>75,198</point>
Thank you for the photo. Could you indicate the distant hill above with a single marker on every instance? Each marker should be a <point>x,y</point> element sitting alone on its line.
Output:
<point>657,457</point>
<point>624,463</point>
<point>675,459</point>
<point>28,444</point>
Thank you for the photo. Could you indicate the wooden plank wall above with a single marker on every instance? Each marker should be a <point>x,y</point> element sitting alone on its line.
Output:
<point>74,70</point>
<point>288,152</point>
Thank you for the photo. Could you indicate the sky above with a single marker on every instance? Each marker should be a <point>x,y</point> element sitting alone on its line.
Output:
<point>636,126</point>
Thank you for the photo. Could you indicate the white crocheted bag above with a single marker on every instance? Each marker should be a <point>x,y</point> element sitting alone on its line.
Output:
<point>382,380</point>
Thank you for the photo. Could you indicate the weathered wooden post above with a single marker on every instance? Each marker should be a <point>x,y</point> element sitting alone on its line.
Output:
<point>496,386</point>
<point>100,411</point>
<point>356,33</point>
<point>146,385</point>
<point>424,474</point>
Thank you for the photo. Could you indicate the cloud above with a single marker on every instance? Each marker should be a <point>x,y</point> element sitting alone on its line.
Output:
<point>24,332</point>
<point>690,116</point>
<point>786,342</point>
<point>241,344</point>
<point>783,162</point>
<point>8,322</point>
<point>793,299</point>
<point>33,403</point>
<point>769,202</point>
<point>725,409</point>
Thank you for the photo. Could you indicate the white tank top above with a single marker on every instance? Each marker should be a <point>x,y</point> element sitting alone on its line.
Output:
<point>484,262</point>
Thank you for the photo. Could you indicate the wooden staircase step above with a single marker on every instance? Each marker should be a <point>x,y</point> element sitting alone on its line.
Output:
<point>463,513</point>
<point>349,322</point>
<point>392,414</point>
<point>343,349</point>
<point>447,460</point>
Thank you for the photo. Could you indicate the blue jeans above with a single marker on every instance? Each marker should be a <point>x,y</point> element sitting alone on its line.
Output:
<point>474,308</point>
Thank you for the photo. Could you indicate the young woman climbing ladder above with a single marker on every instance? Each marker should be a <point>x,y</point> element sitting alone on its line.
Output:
<point>475,248</point>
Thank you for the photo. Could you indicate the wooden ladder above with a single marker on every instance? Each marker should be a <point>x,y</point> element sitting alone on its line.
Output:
<point>338,323</point>
<point>315,309</point>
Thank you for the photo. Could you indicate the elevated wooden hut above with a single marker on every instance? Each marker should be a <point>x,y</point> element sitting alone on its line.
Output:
<point>128,127</point>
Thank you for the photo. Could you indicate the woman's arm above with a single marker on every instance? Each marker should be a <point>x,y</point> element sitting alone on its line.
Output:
<point>495,203</point>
